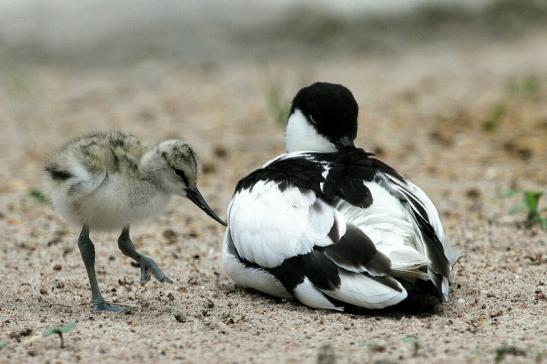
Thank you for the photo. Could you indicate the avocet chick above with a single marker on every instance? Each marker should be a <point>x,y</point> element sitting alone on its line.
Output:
<point>107,181</point>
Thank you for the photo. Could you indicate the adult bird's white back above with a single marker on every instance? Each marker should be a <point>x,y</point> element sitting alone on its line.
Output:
<point>108,181</point>
<point>329,224</point>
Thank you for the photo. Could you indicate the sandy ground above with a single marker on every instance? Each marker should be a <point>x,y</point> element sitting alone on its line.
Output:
<point>421,110</point>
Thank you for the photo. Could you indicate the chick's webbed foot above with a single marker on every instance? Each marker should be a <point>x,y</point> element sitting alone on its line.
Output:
<point>148,266</point>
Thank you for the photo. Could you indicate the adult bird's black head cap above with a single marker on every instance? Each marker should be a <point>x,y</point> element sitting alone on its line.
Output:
<point>331,109</point>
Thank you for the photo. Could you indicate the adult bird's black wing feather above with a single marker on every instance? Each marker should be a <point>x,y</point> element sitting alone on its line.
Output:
<point>357,253</point>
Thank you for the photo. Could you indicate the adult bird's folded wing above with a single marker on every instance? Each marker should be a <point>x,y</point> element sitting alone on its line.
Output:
<point>309,247</point>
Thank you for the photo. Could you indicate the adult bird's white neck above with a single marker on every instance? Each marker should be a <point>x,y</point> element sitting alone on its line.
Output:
<point>302,136</point>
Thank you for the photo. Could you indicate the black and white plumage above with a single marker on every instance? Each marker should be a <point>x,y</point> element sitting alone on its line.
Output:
<point>334,227</point>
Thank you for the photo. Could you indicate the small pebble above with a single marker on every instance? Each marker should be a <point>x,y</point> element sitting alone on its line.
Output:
<point>220,151</point>
<point>180,317</point>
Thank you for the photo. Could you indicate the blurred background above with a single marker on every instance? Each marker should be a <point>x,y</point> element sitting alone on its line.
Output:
<point>126,32</point>
<point>452,93</point>
<point>453,89</point>
<point>438,82</point>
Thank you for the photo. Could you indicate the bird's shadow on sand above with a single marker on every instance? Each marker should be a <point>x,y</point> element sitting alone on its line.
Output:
<point>415,308</point>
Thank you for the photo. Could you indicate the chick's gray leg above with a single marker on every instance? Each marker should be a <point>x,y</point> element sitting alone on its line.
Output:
<point>87,250</point>
<point>146,263</point>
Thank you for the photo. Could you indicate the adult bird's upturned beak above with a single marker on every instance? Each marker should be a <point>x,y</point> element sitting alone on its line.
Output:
<point>195,196</point>
<point>344,142</point>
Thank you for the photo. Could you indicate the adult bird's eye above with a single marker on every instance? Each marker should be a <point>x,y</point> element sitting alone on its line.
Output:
<point>312,120</point>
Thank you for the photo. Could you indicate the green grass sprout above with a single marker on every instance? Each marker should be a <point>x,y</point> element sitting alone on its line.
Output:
<point>38,196</point>
<point>529,205</point>
<point>496,113</point>
<point>413,341</point>
<point>528,86</point>
<point>518,88</point>
<point>60,330</point>
<point>278,104</point>
<point>504,350</point>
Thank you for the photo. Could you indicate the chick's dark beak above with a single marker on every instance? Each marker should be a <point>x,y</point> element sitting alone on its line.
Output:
<point>195,196</point>
<point>344,142</point>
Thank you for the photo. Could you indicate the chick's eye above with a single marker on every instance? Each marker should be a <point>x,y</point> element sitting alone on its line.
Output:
<point>180,173</point>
